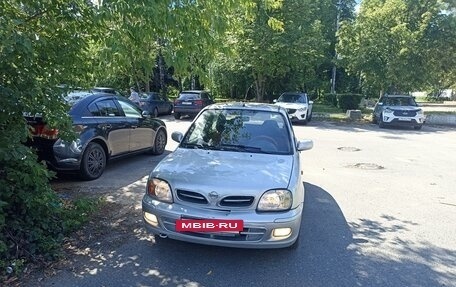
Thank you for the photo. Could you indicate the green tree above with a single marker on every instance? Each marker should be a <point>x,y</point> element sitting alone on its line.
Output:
<point>395,44</point>
<point>42,44</point>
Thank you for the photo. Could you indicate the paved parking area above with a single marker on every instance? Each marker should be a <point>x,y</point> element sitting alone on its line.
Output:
<point>380,210</point>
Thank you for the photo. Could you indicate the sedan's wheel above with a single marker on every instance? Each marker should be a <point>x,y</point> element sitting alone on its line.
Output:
<point>155,114</point>
<point>170,110</point>
<point>177,116</point>
<point>160,142</point>
<point>93,162</point>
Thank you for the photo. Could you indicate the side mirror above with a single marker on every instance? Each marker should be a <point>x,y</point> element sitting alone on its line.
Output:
<point>380,103</point>
<point>311,102</point>
<point>177,136</point>
<point>146,114</point>
<point>274,101</point>
<point>304,145</point>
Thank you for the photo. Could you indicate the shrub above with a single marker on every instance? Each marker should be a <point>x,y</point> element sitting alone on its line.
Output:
<point>328,99</point>
<point>348,101</point>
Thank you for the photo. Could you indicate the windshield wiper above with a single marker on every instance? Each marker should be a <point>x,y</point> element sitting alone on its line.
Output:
<point>238,147</point>
<point>197,146</point>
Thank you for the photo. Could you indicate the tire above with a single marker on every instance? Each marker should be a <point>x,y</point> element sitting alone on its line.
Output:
<point>374,119</point>
<point>170,110</point>
<point>93,162</point>
<point>309,117</point>
<point>159,143</point>
<point>380,122</point>
<point>418,127</point>
<point>177,116</point>
<point>155,113</point>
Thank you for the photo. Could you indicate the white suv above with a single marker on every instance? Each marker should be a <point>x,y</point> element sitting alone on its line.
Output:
<point>298,106</point>
<point>398,110</point>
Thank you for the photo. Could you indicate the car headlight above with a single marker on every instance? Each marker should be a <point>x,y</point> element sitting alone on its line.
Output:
<point>159,189</point>
<point>303,109</point>
<point>388,111</point>
<point>275,200</point>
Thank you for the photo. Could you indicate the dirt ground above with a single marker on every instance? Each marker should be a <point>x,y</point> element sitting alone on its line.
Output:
<point>111,225</point>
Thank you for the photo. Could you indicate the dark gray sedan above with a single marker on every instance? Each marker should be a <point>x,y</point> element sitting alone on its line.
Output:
<point>107,126</point>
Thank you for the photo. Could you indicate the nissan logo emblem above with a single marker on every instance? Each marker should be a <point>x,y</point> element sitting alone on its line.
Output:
<point>213,195</point>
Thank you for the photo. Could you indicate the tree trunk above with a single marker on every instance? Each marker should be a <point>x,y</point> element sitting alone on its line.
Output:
<point>259,88</point>
<point>161,68</point>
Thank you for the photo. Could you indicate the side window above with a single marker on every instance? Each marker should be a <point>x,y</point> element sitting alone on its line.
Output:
<point>107,108</point>
<point>130,110</point>
<point>204,96</point>
<point>93,109</point>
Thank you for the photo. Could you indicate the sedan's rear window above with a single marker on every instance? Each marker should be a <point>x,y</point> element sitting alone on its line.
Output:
<point>189,96</point>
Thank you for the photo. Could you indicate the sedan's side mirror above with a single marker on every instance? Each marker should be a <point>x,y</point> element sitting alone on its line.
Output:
<point>146,114</point>
<point>177,136</point>
<point>274,101</point>
<point>304,145</point>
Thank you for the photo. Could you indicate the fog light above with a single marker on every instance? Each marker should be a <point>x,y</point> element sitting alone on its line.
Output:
<point>151,219</point>
<point>281,232</point>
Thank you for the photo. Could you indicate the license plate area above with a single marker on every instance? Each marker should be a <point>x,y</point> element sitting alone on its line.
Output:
<point>210,225</point>
<point>187,103</point>
<point>405,119</point>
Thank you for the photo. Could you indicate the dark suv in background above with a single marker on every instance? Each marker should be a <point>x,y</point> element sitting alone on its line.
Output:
<point>191,103</point>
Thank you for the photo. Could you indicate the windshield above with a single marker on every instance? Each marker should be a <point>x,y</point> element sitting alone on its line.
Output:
<point>292,98</point>
<point>240,131</point>
<point>400,101</point>
<point>189,96</point>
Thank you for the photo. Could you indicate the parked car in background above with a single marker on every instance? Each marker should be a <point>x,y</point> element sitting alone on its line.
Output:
<point>155,104</point>
<point>107,127</point>
<point>398,110</point>
<point>191,103</point>
<point>234,180</point>
<point>106,91</point>
<point>298,106</point>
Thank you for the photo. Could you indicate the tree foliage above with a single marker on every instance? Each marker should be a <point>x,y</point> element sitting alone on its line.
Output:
<point>400,45</point>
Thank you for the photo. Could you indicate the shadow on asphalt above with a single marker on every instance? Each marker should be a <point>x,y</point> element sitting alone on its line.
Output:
<point>329,254</point>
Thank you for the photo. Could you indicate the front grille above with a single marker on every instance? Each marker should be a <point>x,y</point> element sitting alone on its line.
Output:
<point>191,196</point>
<point>291,111</point>
<point>405,113</point>
<point>237,201</point>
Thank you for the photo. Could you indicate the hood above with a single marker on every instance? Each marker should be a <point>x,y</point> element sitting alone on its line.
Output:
<point>226,172</point>
<point>403,108</point>
<point>292,105</point>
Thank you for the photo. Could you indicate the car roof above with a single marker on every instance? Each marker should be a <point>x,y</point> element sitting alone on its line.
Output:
<point>247,106</point>
<point>398,96</point>
<point>192,91</point>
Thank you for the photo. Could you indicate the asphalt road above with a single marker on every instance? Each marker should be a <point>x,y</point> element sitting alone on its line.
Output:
<point>380,210</point>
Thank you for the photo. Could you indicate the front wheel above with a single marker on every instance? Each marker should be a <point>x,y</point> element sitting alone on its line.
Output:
<point>418,127</point>
<point>309,117</point>
<point>177,116</point>
<point>381,124</point>
<point>155,114</point>
<point>159,143</point>
<point>93,162</point>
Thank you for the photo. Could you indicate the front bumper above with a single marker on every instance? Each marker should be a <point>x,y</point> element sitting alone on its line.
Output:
<point>393,120</point>
<point>257,233</point>
<point>297,115</point>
